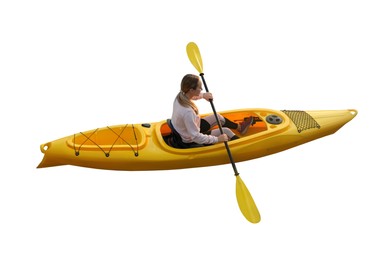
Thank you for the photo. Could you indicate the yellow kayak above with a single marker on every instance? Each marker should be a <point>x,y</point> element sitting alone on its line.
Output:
<point>148,146</point>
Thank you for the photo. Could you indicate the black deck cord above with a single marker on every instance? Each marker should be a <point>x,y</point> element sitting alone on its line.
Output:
<point>88,138</point>
<point>115,139</point>
<point>107,154</point>
<point>136,140</point>
<point>119,136</point>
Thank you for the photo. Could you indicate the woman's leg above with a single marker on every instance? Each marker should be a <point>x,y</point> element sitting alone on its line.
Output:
<point>229,124</point>
<point>211,122</point>
<point>208,122</point>
<point>227,131</point>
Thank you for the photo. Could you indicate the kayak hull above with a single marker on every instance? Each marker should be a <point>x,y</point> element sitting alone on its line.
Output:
<point>140,147</point>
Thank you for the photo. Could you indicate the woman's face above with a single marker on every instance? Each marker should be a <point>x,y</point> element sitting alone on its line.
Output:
<point>198,89</point>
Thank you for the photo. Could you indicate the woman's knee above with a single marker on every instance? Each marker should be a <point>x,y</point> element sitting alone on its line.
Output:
<point>212,120</point>
<point>221,119</point>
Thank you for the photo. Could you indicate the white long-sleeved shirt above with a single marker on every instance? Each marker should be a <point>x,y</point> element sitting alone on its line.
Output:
<point>187,124</point>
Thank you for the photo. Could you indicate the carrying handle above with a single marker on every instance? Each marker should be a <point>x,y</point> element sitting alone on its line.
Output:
<point>45,147</point>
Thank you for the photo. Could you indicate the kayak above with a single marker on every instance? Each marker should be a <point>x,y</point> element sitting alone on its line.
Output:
<point>150,146</point>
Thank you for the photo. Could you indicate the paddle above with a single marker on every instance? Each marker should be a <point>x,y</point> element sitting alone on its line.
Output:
<point>245,201</point>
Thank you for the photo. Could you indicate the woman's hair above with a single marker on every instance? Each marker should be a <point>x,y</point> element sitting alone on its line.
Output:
<point>188,82</point>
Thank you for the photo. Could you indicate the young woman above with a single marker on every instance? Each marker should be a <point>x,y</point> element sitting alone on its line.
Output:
<point>195,130</point>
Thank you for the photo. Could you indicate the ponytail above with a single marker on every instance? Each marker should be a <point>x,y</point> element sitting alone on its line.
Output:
<point>185,102</point>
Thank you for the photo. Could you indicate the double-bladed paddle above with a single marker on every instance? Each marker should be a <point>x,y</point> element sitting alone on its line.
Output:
<point>245,201</point>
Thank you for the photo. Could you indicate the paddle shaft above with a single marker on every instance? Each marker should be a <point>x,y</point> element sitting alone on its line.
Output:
<point>220,127</point>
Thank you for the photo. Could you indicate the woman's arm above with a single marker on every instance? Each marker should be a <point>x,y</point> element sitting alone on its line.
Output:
<point>206,95</point>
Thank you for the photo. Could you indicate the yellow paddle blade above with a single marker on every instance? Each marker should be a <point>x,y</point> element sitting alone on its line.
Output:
<point>193,54</point>
<point>246,203</point>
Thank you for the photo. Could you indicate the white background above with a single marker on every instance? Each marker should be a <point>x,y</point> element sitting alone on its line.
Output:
<point>70,66</point>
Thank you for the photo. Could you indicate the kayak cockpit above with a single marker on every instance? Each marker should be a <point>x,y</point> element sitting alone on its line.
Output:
<point>173,139</point>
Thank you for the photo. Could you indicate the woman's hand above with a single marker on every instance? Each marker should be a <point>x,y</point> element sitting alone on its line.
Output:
<point>208,96</point>
<point>223,138</point>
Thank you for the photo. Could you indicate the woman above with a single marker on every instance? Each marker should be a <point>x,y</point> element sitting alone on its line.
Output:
<point>195,130</point>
